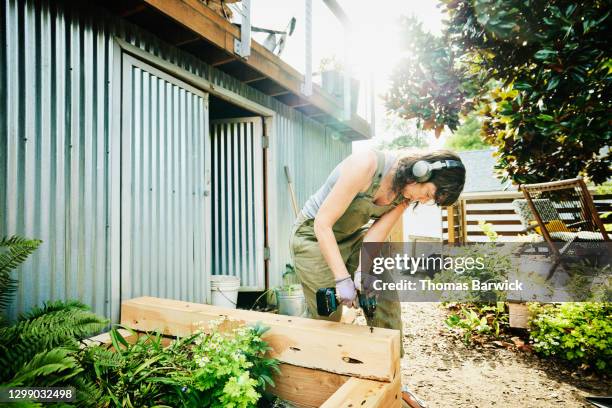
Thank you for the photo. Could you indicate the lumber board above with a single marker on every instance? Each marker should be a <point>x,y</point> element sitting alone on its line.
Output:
<point>358,392</point>
<point>306,387</point>
<point>518,315</point>
<point>335,347</point>
<point>104,338</point>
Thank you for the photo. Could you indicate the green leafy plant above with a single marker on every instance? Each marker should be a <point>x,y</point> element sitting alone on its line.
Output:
<point>38,349</point>
<point>403,134</point>
<point>580,333</point>
<point>479,319</point>
<point>227,367</point>
<point>331,63</point>
<point>468,135</point>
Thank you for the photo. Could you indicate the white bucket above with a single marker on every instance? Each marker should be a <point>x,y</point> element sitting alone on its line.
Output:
<point>224,290</point>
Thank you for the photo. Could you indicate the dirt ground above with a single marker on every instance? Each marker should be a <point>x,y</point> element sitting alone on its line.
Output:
<point>443,372</point>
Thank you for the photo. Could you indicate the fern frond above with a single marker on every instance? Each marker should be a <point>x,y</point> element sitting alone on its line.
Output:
<point>48,368</point>
<point>51,307</point>
<point>13,251</point>
<point>61,325</point>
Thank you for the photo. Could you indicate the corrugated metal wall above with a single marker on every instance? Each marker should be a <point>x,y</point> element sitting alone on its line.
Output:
<point>58,103</point>
<point>164,205</point>
<point>55,153</point>
<point>237,194</point>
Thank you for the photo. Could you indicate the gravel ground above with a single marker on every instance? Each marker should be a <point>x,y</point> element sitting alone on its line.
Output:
<point>443,372</point>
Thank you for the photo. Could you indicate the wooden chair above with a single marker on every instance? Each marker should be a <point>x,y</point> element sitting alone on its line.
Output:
<point>564,215</point>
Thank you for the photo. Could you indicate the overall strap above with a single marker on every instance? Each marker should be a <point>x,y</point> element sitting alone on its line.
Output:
<point>380,168</point>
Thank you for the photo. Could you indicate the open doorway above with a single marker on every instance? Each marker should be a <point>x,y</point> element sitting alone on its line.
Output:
<point>237,194</point>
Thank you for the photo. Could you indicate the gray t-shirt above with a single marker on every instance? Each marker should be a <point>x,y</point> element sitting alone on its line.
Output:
<point>312,205</point>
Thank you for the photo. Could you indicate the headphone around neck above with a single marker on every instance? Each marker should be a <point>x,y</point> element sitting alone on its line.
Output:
<point>422,170</point>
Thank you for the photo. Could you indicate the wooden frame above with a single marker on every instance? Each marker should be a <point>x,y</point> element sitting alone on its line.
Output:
<point>362,370</point>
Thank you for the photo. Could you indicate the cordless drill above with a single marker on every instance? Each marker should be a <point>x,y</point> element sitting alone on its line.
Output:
<point>327,302</point>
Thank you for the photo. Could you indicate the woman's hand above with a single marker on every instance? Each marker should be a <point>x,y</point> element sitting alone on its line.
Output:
<point>345,291</point>
<point>365,283</point>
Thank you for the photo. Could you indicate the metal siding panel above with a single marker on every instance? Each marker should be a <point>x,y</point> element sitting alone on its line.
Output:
<point>238,214</point>
<point>60,184</point>
<point>182,108</point>
<point>50,158</point>
<point>298,142</point>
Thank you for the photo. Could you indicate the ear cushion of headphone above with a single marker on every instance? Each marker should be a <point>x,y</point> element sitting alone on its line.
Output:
<point>421,170</point>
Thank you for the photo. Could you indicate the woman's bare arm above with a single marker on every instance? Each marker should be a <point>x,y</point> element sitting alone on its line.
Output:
<point>356,171</point>
<point>379,231</point>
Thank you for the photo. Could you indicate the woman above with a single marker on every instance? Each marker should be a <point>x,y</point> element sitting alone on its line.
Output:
<point>335,221</point>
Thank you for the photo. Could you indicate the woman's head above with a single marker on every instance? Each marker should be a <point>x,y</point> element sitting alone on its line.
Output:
<point>444,186</point>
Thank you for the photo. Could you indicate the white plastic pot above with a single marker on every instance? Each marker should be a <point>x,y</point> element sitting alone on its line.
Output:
<point>291,302</point>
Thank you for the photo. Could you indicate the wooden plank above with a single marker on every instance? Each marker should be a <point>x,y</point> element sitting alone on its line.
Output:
<point>462,220</point>
<point>330,346</point>
<point>360,393</point>
<point>104,338</point>
<point>306,387</point>
<point>489,212</point>
<point>482,233</point>
<point>450,211</point>
<point>519,315</point>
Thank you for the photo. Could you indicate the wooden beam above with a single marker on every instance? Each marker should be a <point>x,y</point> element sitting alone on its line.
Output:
<point>224,61</point>
<point>275,94</point>
<point>305,387</point>
<point>335,347</point>
<point>255,79</point>
<point>132,10</point>
<point>188,40</point>
<point>294,100</point>
<point>360,393</point>
<point>316,115</point>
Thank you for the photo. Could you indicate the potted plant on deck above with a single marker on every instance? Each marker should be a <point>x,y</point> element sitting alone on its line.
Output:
<point>332,81</point>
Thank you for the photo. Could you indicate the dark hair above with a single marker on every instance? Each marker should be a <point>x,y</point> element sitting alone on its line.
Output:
<point>448,181</point>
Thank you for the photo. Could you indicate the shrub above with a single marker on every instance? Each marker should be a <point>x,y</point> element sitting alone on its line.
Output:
<point>580,333</point>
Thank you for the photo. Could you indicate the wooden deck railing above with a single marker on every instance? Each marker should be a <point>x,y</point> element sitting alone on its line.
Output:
<point>460,222</point>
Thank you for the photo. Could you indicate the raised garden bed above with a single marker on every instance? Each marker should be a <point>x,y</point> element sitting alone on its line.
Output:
<point>323,363</point>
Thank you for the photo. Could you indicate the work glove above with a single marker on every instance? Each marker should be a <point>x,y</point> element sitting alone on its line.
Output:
<point>345,291</point>
<point>365,283</point>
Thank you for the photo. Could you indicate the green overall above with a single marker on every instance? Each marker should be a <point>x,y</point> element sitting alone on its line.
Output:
<point>312,269</point>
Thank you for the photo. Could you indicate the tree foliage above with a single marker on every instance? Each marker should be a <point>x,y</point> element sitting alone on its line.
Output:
<point>425,84</point>
<point>404,134</point>
<point>468,135</point>
<point>542,73</point>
